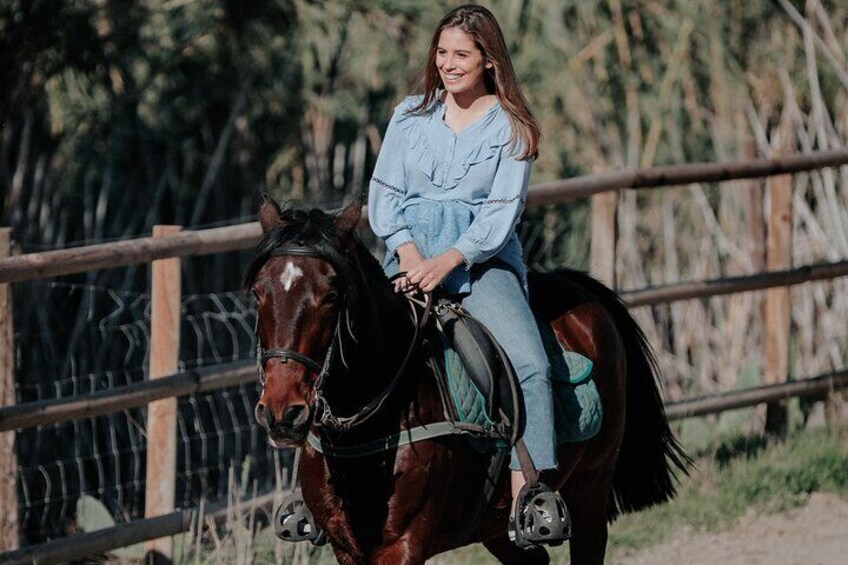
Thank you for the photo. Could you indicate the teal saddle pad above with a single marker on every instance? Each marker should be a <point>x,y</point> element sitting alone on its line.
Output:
<point>577,404</point>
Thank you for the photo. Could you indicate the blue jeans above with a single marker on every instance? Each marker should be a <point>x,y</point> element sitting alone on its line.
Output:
<point>499,302</point>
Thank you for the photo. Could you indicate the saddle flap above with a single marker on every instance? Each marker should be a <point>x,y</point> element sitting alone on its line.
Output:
<point>477,353</point>
<point>484,361</point>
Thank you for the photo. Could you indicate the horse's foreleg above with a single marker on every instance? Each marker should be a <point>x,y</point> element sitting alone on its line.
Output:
<point>588,508</point>
<point>508,553</point>
<point>401,552</point>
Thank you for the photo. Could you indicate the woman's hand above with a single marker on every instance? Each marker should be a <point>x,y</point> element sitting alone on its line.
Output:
<point>428,273</point>
<point>408,258</point>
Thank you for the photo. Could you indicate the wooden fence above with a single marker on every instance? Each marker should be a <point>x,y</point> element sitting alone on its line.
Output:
<point>165,385</point>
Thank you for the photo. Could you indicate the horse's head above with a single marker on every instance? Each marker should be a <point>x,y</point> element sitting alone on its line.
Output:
<point>301,278</point>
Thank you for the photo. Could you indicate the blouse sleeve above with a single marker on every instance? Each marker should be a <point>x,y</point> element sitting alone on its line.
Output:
<point>387,189</point>
<point>499,214</point>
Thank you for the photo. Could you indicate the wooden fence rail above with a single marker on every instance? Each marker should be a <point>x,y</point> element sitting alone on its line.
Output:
<point>204,379</point>
<point>47,412</point>
<point>702,289</point>
<point>102,541</point>
<point>558,191</point>
<point>136,395</point>
<point>32,266</point>
<point>818,386</point>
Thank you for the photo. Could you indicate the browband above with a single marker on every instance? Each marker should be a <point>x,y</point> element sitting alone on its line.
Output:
<point>296,250</point>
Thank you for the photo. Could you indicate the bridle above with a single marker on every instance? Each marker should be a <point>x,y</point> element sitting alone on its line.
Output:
<point>321,413</point>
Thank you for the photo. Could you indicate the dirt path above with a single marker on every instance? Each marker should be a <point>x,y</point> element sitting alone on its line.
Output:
<point>816,534</point>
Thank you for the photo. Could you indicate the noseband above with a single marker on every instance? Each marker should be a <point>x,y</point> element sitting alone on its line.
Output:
<point>321,413</point>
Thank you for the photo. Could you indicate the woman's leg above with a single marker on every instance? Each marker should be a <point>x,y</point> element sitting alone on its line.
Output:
<point>498,301</point>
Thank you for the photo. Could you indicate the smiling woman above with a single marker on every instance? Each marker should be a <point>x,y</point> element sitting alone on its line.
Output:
<point>461,67</point>
<point>448,189</point>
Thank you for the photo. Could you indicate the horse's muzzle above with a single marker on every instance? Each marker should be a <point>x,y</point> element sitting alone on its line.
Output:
<point>288,431</point>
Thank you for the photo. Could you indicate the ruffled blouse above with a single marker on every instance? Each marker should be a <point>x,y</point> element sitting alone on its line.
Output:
<point>443,189</point>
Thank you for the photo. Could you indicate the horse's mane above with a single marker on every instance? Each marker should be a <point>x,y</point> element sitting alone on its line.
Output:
<point>360,273</point>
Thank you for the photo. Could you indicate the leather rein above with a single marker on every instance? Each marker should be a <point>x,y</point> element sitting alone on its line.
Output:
<point>322,414</point>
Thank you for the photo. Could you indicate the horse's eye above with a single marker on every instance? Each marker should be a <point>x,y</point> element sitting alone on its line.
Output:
<point>331,297</point>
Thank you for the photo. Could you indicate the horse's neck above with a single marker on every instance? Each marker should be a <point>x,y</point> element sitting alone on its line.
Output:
<point>382,334</point>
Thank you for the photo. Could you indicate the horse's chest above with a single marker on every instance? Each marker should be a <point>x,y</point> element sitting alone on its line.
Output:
<point>365,503</point>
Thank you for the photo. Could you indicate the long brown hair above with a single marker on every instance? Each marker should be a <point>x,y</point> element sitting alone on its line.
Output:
<point>481,25</point>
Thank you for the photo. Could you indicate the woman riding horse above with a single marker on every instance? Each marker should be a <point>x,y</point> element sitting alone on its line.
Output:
<point>340,357</point>
<point>447,192</point>
<point>335,343</point>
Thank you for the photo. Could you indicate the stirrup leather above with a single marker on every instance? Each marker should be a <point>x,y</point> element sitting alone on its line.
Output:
<point>540,517</point>
<point>294,522</point>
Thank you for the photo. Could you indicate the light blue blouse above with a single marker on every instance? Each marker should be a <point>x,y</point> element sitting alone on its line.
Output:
<point>443,189</point>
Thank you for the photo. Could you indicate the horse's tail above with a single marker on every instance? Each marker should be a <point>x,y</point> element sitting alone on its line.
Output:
<point>650,455</point>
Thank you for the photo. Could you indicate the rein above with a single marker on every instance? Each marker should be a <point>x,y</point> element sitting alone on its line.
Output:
<point>322,413</point>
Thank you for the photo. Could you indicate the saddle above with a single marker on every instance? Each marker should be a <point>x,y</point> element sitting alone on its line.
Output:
<point>480,390</point>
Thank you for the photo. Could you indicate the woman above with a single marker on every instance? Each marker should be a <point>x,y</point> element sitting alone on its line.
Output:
<point>448,189</point>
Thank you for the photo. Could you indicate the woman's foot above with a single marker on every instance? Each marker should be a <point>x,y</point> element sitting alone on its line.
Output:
<point>539,515</point>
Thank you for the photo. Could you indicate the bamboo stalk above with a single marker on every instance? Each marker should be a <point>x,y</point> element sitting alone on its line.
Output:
<point>805,26</point>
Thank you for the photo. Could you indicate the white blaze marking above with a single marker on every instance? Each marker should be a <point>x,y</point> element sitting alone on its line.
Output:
<point>290,274</point>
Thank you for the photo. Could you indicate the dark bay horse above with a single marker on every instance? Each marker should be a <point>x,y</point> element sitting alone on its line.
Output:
<point>322,296</point>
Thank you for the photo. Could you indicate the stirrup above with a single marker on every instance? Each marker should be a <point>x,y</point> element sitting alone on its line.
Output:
<point>540,517</point>
<point>294,522</point>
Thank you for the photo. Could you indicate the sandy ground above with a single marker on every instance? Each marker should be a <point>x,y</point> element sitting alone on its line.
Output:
<point>816,534</point>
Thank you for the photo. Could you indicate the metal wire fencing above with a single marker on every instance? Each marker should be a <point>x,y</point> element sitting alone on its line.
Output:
<point>106,347</point>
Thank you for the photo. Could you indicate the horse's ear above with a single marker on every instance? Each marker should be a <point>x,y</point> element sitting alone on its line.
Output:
<point>269,214</point>
<point>348,218</point>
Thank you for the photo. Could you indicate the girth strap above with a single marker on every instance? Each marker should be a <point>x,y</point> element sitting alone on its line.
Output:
<point>404,437</point>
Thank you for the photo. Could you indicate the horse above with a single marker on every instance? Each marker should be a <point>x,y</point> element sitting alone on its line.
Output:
<point>321,294</point>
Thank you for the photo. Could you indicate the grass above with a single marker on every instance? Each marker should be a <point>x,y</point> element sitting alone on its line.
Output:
<point>740,473</point>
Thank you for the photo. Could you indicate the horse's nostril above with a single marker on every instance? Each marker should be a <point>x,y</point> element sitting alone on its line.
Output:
<point>293,416</point>
<point>263,415</point>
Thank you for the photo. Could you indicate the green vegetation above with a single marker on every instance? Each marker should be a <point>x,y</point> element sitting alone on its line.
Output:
<point>741,473</point>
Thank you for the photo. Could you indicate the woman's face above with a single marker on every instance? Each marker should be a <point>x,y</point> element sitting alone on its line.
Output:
<point>460,63</point>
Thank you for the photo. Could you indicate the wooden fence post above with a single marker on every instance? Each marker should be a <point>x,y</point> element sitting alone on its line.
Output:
<point>160,484</point>
<point>602,245</point>
<point>778,309</point>
<point>8,457</point>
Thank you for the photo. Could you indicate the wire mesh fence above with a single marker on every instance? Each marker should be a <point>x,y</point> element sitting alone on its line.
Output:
<point>107,347</point>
